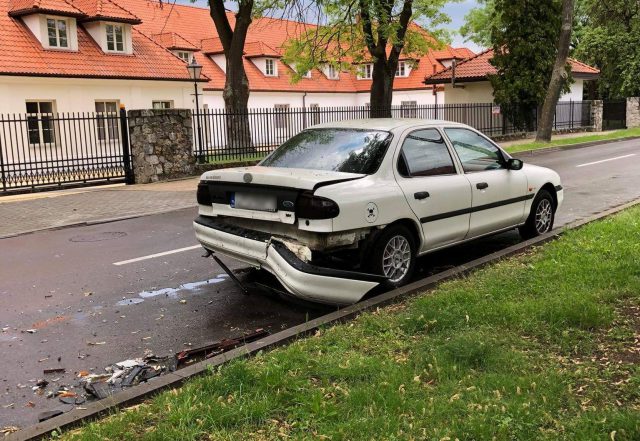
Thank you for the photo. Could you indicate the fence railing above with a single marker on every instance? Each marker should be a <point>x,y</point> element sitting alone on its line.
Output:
<point>54,149</point>
<point>221,136</point>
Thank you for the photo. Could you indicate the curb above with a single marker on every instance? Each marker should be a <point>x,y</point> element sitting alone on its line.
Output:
<point>144,391</point>
<point>570,146</point>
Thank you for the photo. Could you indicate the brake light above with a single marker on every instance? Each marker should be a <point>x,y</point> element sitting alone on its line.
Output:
<point>309,206</point>
<point>204,195</point>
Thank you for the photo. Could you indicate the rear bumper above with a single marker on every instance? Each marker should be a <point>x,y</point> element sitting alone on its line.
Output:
<point>301,279</point>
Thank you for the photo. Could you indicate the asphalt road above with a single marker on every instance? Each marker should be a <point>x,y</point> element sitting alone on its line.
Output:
<point>89,313</point>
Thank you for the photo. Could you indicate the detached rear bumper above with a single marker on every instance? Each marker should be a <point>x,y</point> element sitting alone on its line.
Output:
<point>301,279</point>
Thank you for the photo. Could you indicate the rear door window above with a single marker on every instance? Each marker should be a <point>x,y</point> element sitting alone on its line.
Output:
<point>424,153</point>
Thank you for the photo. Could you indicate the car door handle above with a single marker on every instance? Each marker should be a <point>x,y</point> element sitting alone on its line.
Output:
<point>421,195</point>
<point>482,185</point>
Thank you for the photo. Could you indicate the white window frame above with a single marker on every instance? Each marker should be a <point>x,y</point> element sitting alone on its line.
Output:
<point>281,116</point>
<point>67,28</point>
<point>409,109</point>
<point>332,73</point>
<point>365,72</point>
<point>185,56</point>
<point>314,110</point>
<point>39,118</point>
<point>162,104</point>
<point>401,70</point>
<point>107,121</point>
<point>307,74</point>
<point>270,67</point>
<point>123,35</point>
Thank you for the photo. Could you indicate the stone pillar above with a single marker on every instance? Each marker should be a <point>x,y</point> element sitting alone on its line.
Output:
<point>596,115</point>
<point>161,144</point>
<point>633,112</point>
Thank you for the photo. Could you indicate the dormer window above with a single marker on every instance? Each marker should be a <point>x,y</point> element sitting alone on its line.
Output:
<point>115,37</point>
<point>57,33</point>
<point>270,68</point>
<point>331,72</point>
<point>307,74</point>
<point>365,71</point>
<point>401,70</point>
<point>185,56</point>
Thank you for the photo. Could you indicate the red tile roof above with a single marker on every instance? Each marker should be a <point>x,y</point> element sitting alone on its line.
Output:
<point>211,46</point>
<point>22,54</point>
<point>477,68</point>
<point>256,49</point>
<point>105,10</point>
<point>18,8</point>
<point>173,41</point>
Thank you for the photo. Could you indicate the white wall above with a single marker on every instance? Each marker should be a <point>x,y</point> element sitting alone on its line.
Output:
<point>80,95</point>
<point>576,92</point>
<point>482,92</point>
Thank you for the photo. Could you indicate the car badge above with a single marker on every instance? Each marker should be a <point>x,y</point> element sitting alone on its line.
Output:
<point>247,178</point>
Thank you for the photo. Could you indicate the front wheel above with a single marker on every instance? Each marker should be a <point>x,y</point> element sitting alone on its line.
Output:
<point>393,255</point>
<point>541,217</point>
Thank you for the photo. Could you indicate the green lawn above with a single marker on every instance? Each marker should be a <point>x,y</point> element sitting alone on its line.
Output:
<point>616,134</point>
<point>541,346</point>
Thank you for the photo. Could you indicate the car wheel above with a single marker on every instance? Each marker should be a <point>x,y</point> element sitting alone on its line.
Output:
<point>393,255</point>
<point>541,217</point>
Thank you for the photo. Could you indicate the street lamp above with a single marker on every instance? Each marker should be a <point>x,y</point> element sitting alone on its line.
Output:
<point>195,70</point>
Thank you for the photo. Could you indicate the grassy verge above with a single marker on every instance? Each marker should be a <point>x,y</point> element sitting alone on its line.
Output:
<point>617,134</point>
<point>542,346</point>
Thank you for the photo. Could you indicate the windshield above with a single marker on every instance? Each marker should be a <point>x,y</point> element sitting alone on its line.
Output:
<point>343,150</point>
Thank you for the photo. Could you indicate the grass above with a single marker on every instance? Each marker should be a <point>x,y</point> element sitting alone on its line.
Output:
<point>617,134</point>
<point>541,346</point>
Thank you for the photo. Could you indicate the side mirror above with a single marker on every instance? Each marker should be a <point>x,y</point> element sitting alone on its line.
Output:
<point>514,164</point>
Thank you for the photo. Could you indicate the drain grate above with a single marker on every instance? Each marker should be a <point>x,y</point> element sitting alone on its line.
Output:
<point>98,237</point>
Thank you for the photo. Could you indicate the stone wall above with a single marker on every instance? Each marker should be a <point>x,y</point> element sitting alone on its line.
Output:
<point>161,144</point>
<point>596,115</point>
<point>633,112</point>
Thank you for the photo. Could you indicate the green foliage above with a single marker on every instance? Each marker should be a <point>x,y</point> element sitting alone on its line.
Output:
<point>609,39</point>
<point>524,36</point>
<point>478,23</point>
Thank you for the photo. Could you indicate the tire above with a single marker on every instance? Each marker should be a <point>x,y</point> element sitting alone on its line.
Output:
<point>541,217</point>
<point>399,265</point>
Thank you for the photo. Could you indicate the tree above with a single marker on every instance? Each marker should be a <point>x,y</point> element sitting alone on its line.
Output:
<point>559,76</point>
<point>524,37</point>
<point>368,31</point>
<point>478,23</point>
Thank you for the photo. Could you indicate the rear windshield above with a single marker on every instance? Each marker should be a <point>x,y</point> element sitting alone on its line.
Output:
<point>343,150</point>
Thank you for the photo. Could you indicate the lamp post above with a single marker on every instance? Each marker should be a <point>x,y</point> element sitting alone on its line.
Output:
<point>195,70</point>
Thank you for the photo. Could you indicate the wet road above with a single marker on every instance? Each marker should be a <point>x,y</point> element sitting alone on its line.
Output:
<point>89,313</point>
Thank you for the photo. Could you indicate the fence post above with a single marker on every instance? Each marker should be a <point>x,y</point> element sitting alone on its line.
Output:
<point>4,179</point>
<point>571,104</point>
<point>129,177</point>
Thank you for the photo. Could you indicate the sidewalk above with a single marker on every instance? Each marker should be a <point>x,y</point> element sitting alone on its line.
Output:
<point>38,211</point>
<point>506,144</point>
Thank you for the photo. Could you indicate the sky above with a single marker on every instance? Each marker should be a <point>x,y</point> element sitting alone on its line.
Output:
<point>455,10</point>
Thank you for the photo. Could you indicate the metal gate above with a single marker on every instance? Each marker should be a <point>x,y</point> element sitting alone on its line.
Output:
<point>47,151</point>
<point>614,114</point>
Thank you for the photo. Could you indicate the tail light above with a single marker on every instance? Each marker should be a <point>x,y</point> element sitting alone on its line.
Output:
<point>309,206</point>
<point>203,194</point>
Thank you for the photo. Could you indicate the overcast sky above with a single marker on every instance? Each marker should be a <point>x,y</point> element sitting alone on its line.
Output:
<point>456,11</point>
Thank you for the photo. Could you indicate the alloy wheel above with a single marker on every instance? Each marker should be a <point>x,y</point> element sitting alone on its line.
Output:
<point>544,216</point>
<point>396,258</point>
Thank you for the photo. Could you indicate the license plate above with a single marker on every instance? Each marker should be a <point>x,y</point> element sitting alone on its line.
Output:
<point>251,201</point>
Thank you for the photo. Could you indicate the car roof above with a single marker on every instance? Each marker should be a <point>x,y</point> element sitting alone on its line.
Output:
<point>384,123</point>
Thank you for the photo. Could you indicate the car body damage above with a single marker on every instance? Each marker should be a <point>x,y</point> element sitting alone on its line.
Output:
<point>341,208</point>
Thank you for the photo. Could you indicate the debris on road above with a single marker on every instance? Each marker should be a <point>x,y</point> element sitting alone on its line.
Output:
<point>96,343</point>
<point>29,331</point>
<point>54,371</point>
<point>6,430</point>
<point>223,345</point>
<point>44,416</point>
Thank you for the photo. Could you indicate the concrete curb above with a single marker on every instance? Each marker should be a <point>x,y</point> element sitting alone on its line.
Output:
<point>580,145</point>
<point>144,391</point>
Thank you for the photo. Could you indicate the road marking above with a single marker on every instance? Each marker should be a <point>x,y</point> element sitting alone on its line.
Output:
<point>606,160</point>
<point>153,256</point>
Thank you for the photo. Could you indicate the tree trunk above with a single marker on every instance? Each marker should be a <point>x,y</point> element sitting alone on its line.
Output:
<point>381,92</point>
<point>558,76</point>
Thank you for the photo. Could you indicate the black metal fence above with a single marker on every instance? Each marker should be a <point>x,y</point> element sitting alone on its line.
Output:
<point>226,137</point>
<point>614,114</point>
<point>51,150</point>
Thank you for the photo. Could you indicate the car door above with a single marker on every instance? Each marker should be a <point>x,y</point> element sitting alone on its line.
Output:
<point>498,194</point>
<point>437,192</point>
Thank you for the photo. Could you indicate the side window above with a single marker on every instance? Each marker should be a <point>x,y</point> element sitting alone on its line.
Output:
<point>476,153</point>
<point>424,153</point>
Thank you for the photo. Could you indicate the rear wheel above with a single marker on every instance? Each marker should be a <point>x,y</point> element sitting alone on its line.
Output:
<point>541,217</point>
<point>393,255</point>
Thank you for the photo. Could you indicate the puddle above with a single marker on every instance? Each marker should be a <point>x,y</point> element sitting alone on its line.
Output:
<point>126,302</point>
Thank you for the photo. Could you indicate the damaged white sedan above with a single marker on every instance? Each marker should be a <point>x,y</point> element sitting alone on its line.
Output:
<point>343,207</point>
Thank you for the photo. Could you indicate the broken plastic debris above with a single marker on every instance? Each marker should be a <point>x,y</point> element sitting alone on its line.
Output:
<point>30,331</point>
<point>53,370</point>
<point>44,416</point>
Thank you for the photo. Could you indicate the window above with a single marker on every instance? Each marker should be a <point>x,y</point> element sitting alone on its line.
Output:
<point>185,55</point>
<point>270,67</point>
<point>315,114</point>
<point>401,70</point>
<point>281,119</point>
<point>409,109</point>
<point>162,105</point>
<point>343,150</point>
<point>57,33</point>
<point>476,152</point>
<point>115,38</point>
<point>107,120</point>
<point>424,153</point>
<point>332,72</point>
<point>365,72</point>
<point>40,122</point>
<point>307,74</point>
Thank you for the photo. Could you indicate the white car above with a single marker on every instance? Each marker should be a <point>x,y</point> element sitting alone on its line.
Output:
<point>343,207</point>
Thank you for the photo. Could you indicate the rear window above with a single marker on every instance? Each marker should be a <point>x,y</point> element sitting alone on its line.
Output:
<point>342,150</point>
